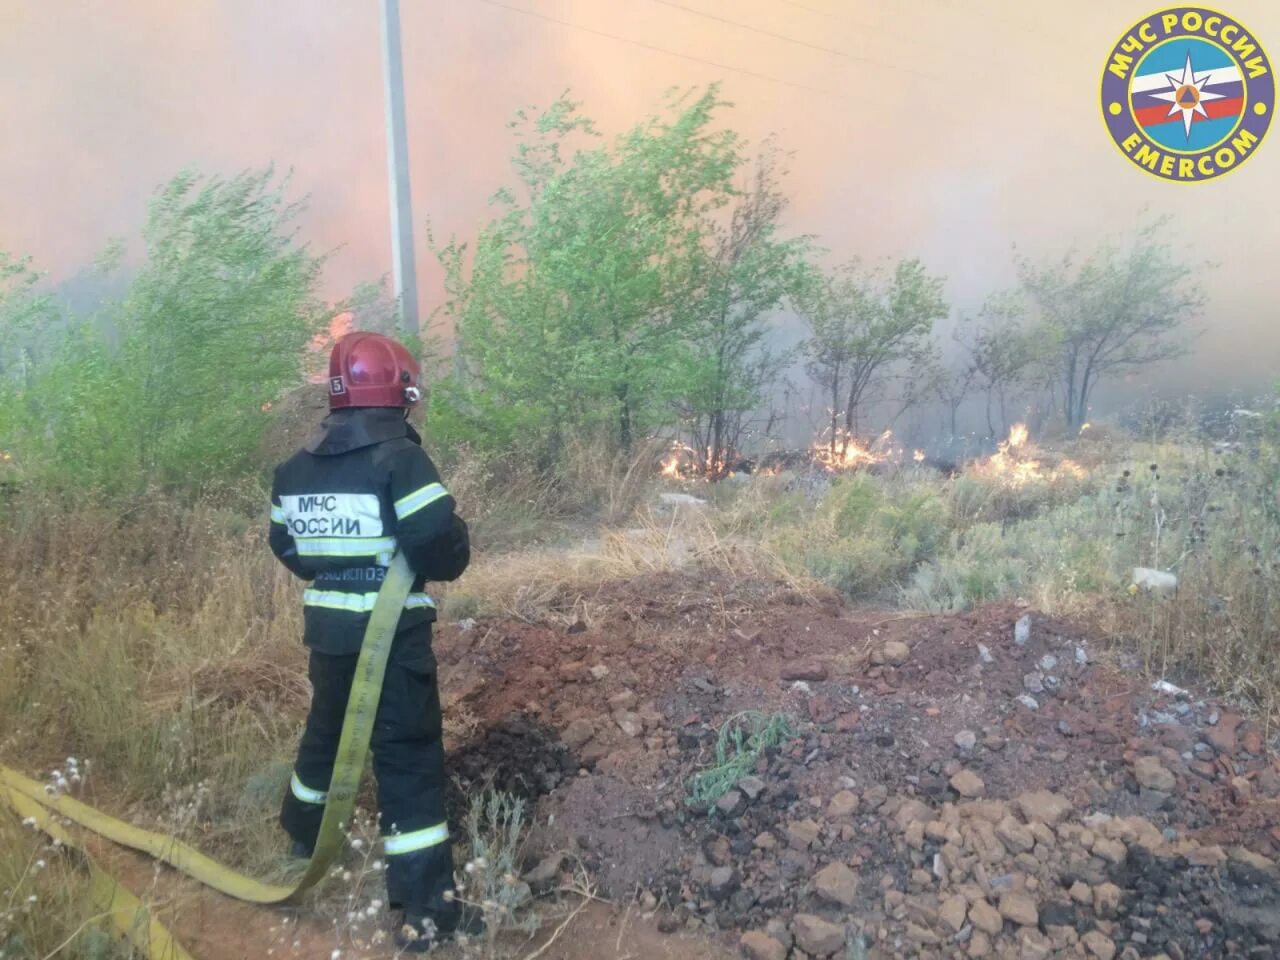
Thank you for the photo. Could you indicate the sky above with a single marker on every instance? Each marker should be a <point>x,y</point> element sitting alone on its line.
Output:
<point>945,129</point>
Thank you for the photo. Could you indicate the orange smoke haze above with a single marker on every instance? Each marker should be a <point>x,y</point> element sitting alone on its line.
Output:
<point>945,129</point>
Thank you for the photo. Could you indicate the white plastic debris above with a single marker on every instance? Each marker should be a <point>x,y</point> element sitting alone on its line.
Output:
<point>1157,581</point>
<point>681,500</point>
<point>1022,630</point>
<point>1164,686</point>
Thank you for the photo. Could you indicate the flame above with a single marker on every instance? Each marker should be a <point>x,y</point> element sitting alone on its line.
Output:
<point>1085,426</point>
<point>844,451</point>
<point>339,327</point>
<point>1014,463</point>
<point>918,456</point>
<point>685,463</point>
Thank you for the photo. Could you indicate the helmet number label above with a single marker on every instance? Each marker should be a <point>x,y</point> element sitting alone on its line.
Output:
<point>336,386</point>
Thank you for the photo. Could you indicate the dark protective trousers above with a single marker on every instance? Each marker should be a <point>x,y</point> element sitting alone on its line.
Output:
<point>408,764</point>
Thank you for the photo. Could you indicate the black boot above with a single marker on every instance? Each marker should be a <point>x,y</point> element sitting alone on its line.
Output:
<point>425,929</point>
<point>301,851</point>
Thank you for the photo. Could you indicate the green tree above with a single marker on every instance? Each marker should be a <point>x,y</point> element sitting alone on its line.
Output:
<point>573,309</point>
<point>749,271</point>
<point>865,326</point>
<point>1005,356</point>
<point>170,385</point>
<point>25,313</point>
<point>1112,310</point>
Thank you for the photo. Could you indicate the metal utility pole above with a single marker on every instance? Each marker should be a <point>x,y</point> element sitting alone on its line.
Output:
<point>406,282</point>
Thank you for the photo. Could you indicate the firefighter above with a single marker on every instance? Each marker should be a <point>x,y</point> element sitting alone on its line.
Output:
<point>361,489</point>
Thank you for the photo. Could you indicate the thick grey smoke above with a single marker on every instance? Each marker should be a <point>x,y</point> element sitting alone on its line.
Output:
<point>949,130</point>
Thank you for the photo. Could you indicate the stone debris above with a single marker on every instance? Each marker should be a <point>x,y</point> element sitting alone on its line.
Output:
<point>816,936</point>
<point>1022,630</point>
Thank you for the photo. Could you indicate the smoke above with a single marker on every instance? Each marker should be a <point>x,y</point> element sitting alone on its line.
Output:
<point>947,130</point>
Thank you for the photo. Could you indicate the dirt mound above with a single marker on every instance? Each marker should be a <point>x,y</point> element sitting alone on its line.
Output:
<point>967,785</point>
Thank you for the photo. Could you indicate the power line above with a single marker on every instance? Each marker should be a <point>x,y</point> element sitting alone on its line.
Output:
<point>657,49</point>
<point>821,13</point>
<point>782,36</point>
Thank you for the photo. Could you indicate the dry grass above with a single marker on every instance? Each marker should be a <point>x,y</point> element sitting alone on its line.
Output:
<point>557,585</point>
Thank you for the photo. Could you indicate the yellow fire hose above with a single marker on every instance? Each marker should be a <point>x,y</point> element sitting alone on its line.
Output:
<point>129,915</point>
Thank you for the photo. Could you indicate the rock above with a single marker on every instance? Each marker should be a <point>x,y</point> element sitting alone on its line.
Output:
<point>986,918</point>
<point>1022,630</point>
<point>980,945</point>
<point>1113,851</point>
<point>751,787</point>
<point>896,653</point>
<point>1029,701</point>
<point>1048,663</point>
<point>1057,914</point>
<point>599,671</point>
<point>1099,945</point>
<point>577,733</point>
<point>1251,741</point>
<point>1241,790</point>
<point>966,740</point>
<point>777,928</point>
<point>1106,900</point>
<point>1222,738</point>
<point>807,670</point>
<point>1255,860</point>
<point>1156,581</point>
<point>629,723</point>
<point>821,710</point>
<point>1211,855</point>
<point>1153,775</point>
<point>622,701</point>
<point>1081,892</point>
<point>909,812</point>
<point>984,654</point>
<point>723,882</point>
<point>718,851</point>
<point>765,841</point>
<point>1043,806</point>
<point>843,804</point>
<point>544,876</point>
<point>1019,908</point>
<point>953,912</point>
<point>731,804</point>
<point>968,784</point>
<point>757,945</point>
<point>816,936</point>
<point>1016,837</point>
<point>802,834</point>
<point>874,797</point>
<point>837,883</point>
<point>1033,682</point>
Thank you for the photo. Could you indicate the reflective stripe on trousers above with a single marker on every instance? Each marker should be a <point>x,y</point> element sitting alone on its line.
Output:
<point>401,843</point>
<point>305,793</point>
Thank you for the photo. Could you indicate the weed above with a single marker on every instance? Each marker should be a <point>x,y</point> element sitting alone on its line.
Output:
<point>740,743</point>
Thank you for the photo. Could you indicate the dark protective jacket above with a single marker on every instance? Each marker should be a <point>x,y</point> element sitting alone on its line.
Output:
<point>361,489</point>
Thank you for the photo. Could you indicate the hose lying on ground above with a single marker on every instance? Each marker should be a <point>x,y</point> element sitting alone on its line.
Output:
<point>29,799</point>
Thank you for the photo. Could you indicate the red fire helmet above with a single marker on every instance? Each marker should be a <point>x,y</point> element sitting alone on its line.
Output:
<point>370,370</point>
